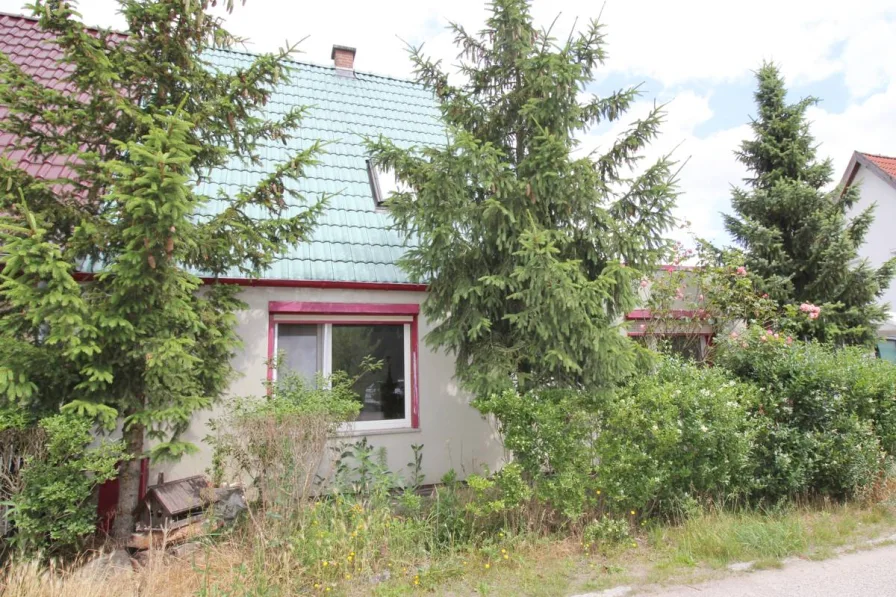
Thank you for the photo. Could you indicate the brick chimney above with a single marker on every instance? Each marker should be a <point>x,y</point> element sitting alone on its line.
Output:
<point>343,58</point>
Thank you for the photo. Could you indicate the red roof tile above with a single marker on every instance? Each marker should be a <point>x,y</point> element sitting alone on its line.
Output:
<point>37,54</point>
<point>885,163</point>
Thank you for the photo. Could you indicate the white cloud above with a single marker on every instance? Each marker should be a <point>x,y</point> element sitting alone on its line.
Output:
<point>868,126</point>
<point>686,46</point>
<point>673,42</point>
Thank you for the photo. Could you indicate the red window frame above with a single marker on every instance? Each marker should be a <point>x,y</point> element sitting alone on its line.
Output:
<point>342,313</point>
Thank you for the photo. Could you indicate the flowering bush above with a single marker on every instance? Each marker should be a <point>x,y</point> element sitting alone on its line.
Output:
<point>550,434</point>
<point>827,415</point>
<point>606,533</point>
<point>715,295</point>
<point>681,434</point>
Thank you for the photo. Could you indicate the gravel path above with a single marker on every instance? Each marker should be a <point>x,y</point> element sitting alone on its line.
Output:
<point>869,573</point>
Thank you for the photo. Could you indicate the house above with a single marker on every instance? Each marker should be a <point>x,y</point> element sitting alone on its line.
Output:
<point>342,290</point>
<point>875,176</point>
<point>339,296</point>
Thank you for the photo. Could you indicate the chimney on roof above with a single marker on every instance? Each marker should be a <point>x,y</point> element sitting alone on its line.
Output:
<point>343,58</point>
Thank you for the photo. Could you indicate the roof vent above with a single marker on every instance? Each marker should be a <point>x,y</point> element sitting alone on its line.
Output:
<point>343,58</point>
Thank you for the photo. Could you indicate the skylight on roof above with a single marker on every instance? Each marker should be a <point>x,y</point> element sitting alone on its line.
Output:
<point>383,183</point>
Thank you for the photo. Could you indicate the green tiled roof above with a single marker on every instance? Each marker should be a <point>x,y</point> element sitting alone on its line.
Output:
<point>353,241</point>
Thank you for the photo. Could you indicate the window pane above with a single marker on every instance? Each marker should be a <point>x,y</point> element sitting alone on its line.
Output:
<point>300,345</point>
<point>687,347</point>
<point>381,392</point>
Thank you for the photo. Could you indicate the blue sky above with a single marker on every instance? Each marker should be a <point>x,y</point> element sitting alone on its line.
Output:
<point>697,55</point>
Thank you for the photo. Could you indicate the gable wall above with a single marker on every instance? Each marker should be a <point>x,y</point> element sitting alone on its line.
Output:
<point>880,242</point>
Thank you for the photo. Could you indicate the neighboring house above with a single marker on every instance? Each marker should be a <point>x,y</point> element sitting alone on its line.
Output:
<point>875,176</point>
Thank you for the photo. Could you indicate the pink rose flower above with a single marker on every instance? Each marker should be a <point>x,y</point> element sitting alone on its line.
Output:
<point>789,340</point>
<point>644,283</point>
<point>741,271</point>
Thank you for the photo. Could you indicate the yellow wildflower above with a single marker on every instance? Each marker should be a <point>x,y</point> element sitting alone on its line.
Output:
<point>487,566</point>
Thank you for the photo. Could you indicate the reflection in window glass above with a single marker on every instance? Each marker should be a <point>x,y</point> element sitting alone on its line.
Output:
<point>381,392</point>
<point>687,347</point>
<point>301,348</point>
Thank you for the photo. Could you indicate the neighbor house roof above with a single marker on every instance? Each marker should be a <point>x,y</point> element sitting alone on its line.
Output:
<point>33,50</point>
<point>882,166</point>
<point>353,241</point>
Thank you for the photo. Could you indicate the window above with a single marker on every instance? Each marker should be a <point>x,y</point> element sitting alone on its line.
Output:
<point>311,342</point>
<point>383,183</point>
<point>691,347</point>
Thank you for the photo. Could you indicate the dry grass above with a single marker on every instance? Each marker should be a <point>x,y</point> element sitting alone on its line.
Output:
<point>244,564</point>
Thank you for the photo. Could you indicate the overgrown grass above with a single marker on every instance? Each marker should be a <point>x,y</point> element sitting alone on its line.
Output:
<point>410,561</point>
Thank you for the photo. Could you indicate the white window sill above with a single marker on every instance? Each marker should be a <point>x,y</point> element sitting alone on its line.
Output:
<point>386,431</point>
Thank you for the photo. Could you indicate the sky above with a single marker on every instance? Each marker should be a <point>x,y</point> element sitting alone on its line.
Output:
<point>697,57</point>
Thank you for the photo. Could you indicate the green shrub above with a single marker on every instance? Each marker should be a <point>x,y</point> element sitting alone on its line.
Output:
<point>828,415</point>
<point>504,493</point>
<point>278,441</point>
<point>682,433</point>
<point>54,510</point>
<point>550,433</point>
<point>606,532</point>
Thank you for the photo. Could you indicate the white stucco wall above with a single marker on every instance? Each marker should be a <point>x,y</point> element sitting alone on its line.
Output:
<point>880,242</point>
<point>454,435</point>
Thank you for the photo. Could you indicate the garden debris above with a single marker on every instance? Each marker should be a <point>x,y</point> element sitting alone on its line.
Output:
<point>106,565</point>
<point>185,550</point>
<point>229,504</point>
<point>175,504</point>
<point>162,538</point>
<point>178,511</point>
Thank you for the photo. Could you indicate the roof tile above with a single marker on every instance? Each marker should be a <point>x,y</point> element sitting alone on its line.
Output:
<point>887,164</point>
<point>352,241</point>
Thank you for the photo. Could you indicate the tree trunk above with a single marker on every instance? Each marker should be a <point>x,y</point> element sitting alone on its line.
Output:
<point>128,486</point>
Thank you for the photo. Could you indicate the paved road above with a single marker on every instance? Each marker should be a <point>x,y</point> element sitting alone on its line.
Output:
<point>869,573</point>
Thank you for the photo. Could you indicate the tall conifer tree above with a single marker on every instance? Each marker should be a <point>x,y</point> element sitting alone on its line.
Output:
<point>529,244</point>
<point>141,119</point>
<point>792,224</point>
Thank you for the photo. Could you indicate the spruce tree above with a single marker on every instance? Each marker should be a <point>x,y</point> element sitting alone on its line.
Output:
<point>793,226</point>
<point>530,246</point>
<point>105,314</point>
